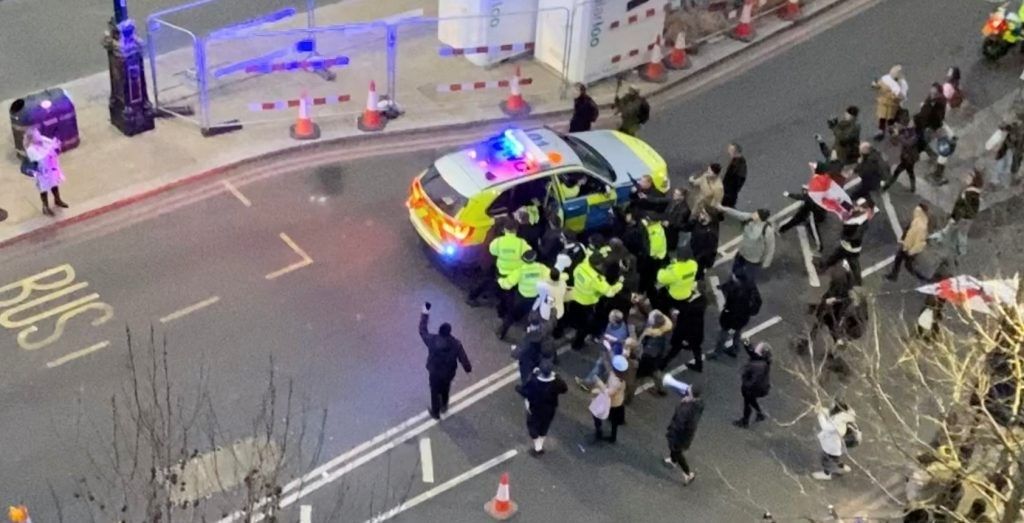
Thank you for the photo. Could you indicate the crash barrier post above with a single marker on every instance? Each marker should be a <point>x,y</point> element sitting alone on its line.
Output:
<point>478,56</point>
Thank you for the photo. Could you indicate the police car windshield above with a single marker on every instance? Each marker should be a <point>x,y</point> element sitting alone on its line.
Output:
<point>591,159</point>
<point>443,195</point>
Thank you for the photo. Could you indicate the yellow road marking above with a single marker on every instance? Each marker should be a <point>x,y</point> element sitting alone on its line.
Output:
<point>78,354</point>
<point>306,260</point>
<point>238,194</point>
<point>190,309</point>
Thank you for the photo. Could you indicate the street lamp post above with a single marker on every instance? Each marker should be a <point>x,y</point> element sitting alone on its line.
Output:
<point>130,108</point>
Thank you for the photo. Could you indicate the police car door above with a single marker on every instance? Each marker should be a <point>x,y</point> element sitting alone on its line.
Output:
<point>591,207</point>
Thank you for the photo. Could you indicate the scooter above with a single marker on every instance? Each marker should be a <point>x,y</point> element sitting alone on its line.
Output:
<point>1000,34</point>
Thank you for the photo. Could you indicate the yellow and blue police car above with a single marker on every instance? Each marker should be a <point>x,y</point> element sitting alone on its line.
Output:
<point>453,204</point>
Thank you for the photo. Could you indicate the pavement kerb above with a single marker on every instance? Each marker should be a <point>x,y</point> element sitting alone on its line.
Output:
<point>540,118</point>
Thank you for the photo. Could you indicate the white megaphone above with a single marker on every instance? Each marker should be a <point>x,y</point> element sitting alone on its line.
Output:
<point>672,383</point>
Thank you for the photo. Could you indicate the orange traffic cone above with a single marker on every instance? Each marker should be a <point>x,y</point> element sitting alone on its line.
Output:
<point>18,514</point>
<point>515,105</point>
<point>744,31</point>
<point>654,71</point>
<point>790,10</point>
<point>304,128</point>
<point>677,58</point>
<point>371,119</point>
<point>501,507</point>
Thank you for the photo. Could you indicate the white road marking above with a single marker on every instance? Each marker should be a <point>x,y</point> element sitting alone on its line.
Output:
<point>426,460</point>
<point>190,309</point>
<point>77,354</point>
<point>446,486</point>
<point>306,260</point>
<point>238,194</point>
<point>360,455</point>
<point>719,297</point>
<point>890,212</point>
<point>805,249</point>
<point>878,266</point>
<point>749,333</point>
<point>306,514</point>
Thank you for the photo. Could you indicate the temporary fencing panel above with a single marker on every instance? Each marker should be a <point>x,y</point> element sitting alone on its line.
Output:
<point>256,77</point>
<point>173,53</point>
<point>478,65</point>
<point>480,25</point>
<point>605,37</point>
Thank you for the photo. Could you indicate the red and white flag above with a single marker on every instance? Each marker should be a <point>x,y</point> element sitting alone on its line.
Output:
<point>974,294</point>
<point>829,195</point>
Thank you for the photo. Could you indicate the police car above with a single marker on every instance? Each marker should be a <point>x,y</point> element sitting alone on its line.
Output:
<point>453,204</point>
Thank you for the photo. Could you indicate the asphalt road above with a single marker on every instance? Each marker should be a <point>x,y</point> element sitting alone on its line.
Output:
<point>342,325</point>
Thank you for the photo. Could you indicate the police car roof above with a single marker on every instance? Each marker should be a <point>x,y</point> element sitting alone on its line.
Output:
<point>469,172</point>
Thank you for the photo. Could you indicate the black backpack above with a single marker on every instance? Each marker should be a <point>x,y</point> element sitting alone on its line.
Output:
<point>645,112</point>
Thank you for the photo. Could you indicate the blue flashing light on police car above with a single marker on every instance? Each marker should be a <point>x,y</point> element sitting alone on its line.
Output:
<point>449,250</point>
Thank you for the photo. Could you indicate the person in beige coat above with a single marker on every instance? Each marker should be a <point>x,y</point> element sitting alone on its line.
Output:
<point>914,240</point>
<point>892,92</point>
<point>708,190</point>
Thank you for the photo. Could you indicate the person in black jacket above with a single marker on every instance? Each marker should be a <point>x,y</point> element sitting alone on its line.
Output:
<point>872,170</point>
<point>682,430</point>
<point>677,214</point>
<point>541,392</point>
<point>444,353</point>
<point>929,117</point>
<point>755,382</point>
<point>806,210</point>
<point>742,301</point>
<point>689,330</point>
<point>530,350</point>
<point>735,175</point>
<point>851,239</point>
<point>584,111</point>
<point>703,242</point>
<point>550,243</point>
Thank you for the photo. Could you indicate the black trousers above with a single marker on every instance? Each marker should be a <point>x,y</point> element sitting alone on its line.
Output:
<point>703,264</point>
<point>518,307</point>
<point>750,405</point>
<point>581,319</point>
<point>853,258</point>
<point>903,167</point>
<point>488,284</point>
<point>676,453</point>
<point>439,389</point>
<point>901,257</point>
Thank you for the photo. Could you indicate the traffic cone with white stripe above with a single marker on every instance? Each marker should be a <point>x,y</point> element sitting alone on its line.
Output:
<point>790,10</point>
<point>18,514</point>
<point>677,58</point>
<point>371,120</point>
<point>744,30</point>
<point>515,105</point>
<point>655,71</point>
<point>304,128</point>
<point>501,507</point>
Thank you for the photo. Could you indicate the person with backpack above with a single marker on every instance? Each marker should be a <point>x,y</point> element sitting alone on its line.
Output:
<point>755,381</point>
<point>742,301</point>
<point>757,244</point>
<point>634,110</point>
<point>838,432</point>
<point>584,111</point>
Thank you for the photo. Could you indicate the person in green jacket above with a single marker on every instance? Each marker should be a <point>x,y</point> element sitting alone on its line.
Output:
<point>677,280</point>
<point>507,249</point>
<point>525,279</point>
<point>634,109</point>
<point>589,286</point>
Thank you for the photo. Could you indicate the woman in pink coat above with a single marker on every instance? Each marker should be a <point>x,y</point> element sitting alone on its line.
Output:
<point>42,151</point>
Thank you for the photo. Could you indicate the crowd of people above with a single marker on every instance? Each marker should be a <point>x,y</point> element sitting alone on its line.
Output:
<point>636,290</point>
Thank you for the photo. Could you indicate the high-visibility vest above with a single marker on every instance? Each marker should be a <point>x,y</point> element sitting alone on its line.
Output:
<point>680,278</point>
<point>569,192</point>
<point>525,279</point>
<point>532,213</point>
<point>656,239</point>
<point>508,250</point>
<point>588,286</point>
